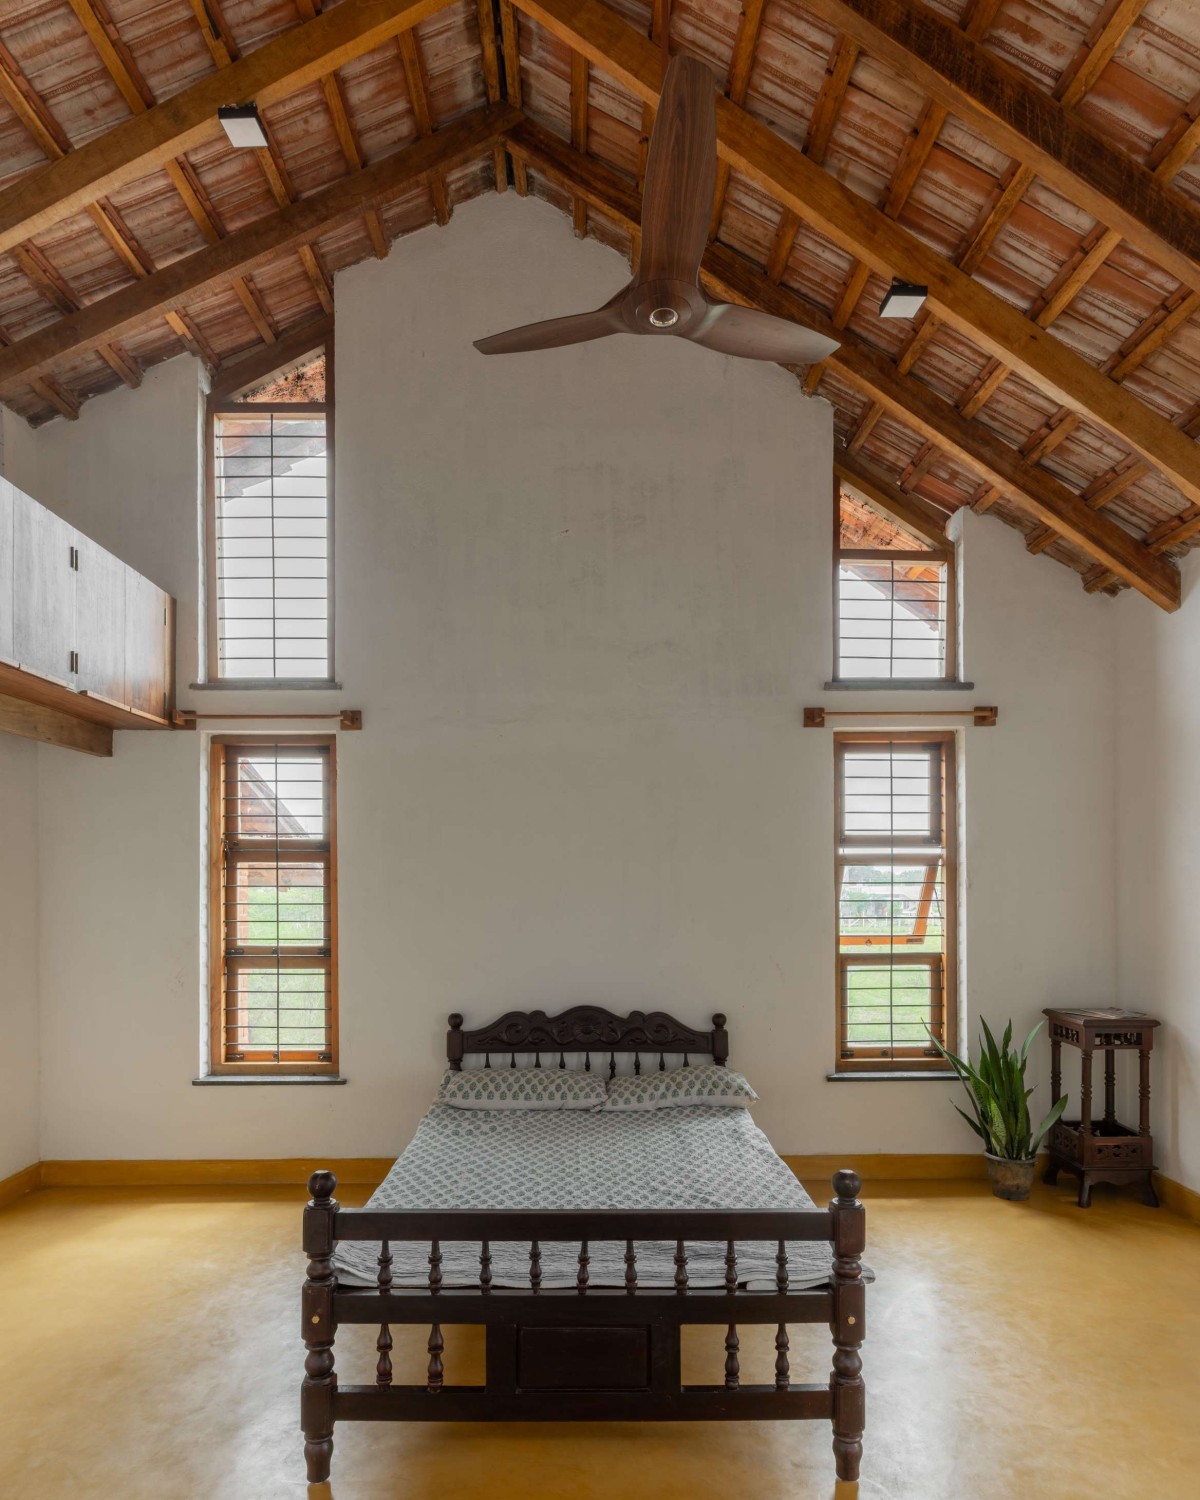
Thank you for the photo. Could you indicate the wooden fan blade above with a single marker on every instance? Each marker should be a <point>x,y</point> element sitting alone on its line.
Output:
<point>750,334</point>
<point>681,173</point>
<point>554,333</point>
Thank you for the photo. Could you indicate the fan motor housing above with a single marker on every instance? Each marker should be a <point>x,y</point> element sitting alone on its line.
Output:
<point>664,307</point>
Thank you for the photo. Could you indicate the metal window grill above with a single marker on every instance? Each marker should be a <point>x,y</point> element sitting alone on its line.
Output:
<point>895,918</point>
<point>277,902</point>
<point>271,521</point>
<point>893,615</point>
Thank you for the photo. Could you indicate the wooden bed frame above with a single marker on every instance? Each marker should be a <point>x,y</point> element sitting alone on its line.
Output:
<point>584,1353</point>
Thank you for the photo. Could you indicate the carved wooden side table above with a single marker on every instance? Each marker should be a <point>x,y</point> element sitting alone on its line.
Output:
<point>1102,1150</point>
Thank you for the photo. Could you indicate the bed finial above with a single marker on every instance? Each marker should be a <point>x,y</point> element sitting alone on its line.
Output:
<point>720,1041</point>
<point>321,1186</point>
<point>847,1184</point>
<point>454,1043</point>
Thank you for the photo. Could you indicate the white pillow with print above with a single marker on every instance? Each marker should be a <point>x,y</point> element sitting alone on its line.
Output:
<point>706,1084</point>
<point>521,1088</point>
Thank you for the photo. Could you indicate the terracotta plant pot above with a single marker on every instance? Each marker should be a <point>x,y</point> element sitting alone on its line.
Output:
<point>1010,1179</point>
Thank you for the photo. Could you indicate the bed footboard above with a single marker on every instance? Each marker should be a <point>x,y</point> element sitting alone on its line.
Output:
<point>582,1353</point>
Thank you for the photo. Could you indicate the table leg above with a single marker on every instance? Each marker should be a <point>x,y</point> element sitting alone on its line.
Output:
<point>1110,1087</point>
<point>1085,1093</point>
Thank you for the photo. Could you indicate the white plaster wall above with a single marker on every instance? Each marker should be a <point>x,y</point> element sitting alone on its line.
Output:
<point>582,599</point>
<point>1159,867</point>
<point>19,1055</point>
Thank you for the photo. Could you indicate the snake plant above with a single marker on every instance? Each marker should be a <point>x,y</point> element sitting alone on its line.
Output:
<point>999,1098</point>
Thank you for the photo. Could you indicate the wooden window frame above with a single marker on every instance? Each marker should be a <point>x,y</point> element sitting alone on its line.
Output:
<point>218,1063</point>
<point>946,555</point>
<point>222,403</point>
<point>903,1059</point>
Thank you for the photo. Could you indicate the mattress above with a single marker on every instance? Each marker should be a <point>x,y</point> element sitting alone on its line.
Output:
<point>694,1157</point>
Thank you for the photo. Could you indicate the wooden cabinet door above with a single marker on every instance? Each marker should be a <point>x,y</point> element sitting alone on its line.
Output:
<point>100,620</point>
<point>44,590</point>
<point>7,644</point>
<point>148,643</point>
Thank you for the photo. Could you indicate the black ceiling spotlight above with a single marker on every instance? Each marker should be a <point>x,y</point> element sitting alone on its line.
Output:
<point>241,124</point>
<point>903,299</point>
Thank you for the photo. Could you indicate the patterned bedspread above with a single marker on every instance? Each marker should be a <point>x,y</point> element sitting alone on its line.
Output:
<point>697,1157</point>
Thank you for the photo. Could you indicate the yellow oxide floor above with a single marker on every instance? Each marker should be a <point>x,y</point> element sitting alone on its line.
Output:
<point>150,1351</point>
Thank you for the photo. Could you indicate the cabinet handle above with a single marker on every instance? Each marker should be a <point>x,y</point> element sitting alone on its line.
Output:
<point>75,559</point>
<point>74,661</point>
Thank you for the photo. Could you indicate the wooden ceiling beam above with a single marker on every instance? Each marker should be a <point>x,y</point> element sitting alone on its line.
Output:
<point>510,42</point>
<point>1032,126</point>
<point>830,97</point>
<point>868,234</point>
<point>1097,50</point>
<point>20,96</point>
<point>579,131</point>
<point>418,93</point>
<point>737,85</point>
<point>491,82</point>
<point>660,26</point>
<point>733,278</point>
<point>282,66</point>
<point>51,284</point>
<point>248,249</point>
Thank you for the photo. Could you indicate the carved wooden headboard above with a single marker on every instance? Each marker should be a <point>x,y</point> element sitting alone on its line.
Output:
<point>586,1029</point>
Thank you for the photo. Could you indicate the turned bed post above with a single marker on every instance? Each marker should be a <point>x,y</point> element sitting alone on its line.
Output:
<point>848,1323</point>
<point>316,1393</point>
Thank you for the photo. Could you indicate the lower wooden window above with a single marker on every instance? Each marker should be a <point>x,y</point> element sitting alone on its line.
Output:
<point>896,871</point>
<point>273,906</point>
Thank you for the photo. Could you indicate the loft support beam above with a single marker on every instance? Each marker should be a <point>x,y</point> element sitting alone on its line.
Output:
<point>1027,123</point>
<point>284,65</point>
<point>731,277</point>
<point>50,726</point>
<point>248,249</point>
<point>865,232</point>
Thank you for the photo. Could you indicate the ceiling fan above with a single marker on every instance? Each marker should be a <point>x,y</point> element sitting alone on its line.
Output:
<point>665,296</point>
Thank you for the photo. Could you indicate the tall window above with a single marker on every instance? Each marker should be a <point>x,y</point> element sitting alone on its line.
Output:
<point>894,598</point>
<point>897,887</point>
<point>270,617</point>
<point>272,906</point>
